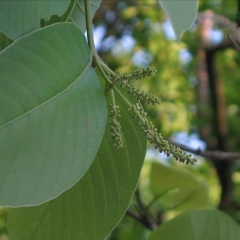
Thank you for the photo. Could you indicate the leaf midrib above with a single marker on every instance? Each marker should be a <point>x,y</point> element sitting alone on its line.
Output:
<point>52,98</point>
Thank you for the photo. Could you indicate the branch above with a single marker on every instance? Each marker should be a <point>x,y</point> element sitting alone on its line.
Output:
<point>143,216</point>
<point>139,218</point>
<point>225,25</point>
<point>216,155</point>
<point>146,215</point>
<point>238,11</point>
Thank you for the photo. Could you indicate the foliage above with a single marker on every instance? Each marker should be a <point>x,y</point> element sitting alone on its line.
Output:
<point>182,190</point>
<point>92,208</point>
<point>47,107</point>
<point>206,224</point>
<point>73,140</point>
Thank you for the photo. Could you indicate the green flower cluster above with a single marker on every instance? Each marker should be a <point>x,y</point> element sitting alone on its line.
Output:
<point>137,74</point>
<point>148,128</point>
<point>141,96</point>
<point>114,111</point>
<point>157,140</point>
<point>126,80</point>
<point>115,127</point>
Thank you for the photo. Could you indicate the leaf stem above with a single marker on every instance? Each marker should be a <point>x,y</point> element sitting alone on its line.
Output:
<point>128,103</point>
<point>89,27</point>
<point>113,102</point>
<point>91,40</point>
<point>106,68</point>
<point>71,11</point>
<point>99,63</point>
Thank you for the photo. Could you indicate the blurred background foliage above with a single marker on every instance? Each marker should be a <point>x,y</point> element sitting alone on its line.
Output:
<point>132,34</point>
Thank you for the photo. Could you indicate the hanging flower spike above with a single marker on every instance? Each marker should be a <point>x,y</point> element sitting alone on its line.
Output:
<point>116,133</point>
<point>135,74</point>
<point>115,127</point>
<point>126,82</point>
<point>114,111</point>
<point>143,72</point>
<point>141,96</point>
<point>157,140</point>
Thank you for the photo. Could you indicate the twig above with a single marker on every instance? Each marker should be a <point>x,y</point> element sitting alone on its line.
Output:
<point>138,217</point>
<point>238,10</point>
<point>235,43</point>
<point>225,25</point>
<point>143,215</point>
<point>216,155</point>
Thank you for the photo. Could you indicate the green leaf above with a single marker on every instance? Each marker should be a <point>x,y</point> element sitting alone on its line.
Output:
<point>176,189</point>
<point>95,205</point>
<point>4,41</point>
<point>19,17</point>
<point>198,225</point>
<point>75,13</point>
<point>51,104</point>
<point>129,229</point>
<point>182,14</point>
<point>78,13</point>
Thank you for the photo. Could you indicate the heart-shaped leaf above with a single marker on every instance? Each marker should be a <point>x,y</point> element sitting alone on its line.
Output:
<point>51,103</point>
<point>95,205</point>
<point>182,14</point>
<point>177,189</point>
<point>198,225</point>
<point>19,17</point>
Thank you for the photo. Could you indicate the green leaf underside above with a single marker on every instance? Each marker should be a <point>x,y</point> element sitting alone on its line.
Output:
<point>20,17</point>
<point>177,189</point>
<point>75,13</point>
<point>51,102</point>
<point>93,207</point>
<point>198,225</point>
<point>181,13</point>
<point>78,13</point>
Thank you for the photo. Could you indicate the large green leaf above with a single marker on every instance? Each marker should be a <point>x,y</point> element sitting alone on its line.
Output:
<point>182,14</point>
<point>176,189</point>
<point>52,115</point>
<point>198,225</point>
<point>93,207</point>
<point>75,13</point>
<point>78,13</point>
<point>19,17</point>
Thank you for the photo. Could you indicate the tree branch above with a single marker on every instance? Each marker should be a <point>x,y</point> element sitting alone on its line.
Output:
<point>216,155</point>
<point>143,216</point>
<point>238,12</point>
<point>231,39</point>
<point>138,218</point>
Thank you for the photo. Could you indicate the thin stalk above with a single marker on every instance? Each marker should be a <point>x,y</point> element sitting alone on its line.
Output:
<point>106,68</point>
<point>123,97</point>
<point>113,102</point>
<point>122,79</point>
<point>89,27</point>
<point>91,40</point>
<point>159,196</point>
<point>96,60</point>
<point>71,11</point>
<point>113,97</point>
<point>128,103</point>
<point>101,70</point>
